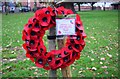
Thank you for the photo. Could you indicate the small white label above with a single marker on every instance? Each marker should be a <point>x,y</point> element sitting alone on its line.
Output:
<point>65,26</point>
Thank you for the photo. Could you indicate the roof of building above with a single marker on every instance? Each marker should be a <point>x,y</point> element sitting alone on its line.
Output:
<point>78,0</point>
<point>1,3</point>
<point>109,1</point>
<point>11,4</point>
<point>117,3</point>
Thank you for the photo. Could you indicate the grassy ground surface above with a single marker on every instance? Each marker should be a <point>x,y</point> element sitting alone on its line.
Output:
<point>98,59</point>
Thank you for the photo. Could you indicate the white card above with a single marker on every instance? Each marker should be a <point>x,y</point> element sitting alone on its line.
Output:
<point>65,26</point>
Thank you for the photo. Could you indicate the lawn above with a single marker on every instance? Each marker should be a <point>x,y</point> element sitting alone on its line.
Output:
<point>98,59</point>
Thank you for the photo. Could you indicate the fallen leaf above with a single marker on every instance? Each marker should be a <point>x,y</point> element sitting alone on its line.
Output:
<point>12,59</point>
<point>101,62</point>
<point>104,67</point>
<point>109,55</point>
<point>35,73</point>
<point>80,72</point>
<point>102,58</point>
<point>94,68</point>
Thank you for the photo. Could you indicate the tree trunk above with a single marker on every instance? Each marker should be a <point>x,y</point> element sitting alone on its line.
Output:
<point>79,7</point>
<point>52,46</point>
<point>35,5</point>
<point>92,5</point>
<point>104,6</point>
<point>6,8</point>
<point>68,5</point>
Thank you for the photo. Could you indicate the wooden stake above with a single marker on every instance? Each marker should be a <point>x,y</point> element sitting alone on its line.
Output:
<point>52,46</point>
<point>66,72</point>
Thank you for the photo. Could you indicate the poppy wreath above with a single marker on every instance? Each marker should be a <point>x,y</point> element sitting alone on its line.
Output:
<point>34,31</point>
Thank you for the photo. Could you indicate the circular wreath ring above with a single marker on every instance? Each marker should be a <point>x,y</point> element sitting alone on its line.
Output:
<point>34,31</point>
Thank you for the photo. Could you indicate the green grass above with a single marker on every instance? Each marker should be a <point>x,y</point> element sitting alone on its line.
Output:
<point>101,28</point>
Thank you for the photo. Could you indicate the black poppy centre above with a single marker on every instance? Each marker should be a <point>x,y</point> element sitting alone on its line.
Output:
<point>44,19</point>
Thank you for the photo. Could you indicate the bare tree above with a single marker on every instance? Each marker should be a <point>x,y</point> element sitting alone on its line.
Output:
<point>92,3</point>
<point>35,5</point>
<point>6,7</point>
<point>104,6</point>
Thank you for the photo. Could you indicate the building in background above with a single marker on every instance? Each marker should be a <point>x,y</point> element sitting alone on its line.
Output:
<point>31,3</point>
<point>1,6</point>
<point>11,7</point>
<point>116,5</point>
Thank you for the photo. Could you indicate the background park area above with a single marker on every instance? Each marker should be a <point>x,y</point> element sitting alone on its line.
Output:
<point>98,59</point>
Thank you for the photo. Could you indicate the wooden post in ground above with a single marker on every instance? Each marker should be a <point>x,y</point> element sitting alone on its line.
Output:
<point>52,46</point>
<point>66,72</point>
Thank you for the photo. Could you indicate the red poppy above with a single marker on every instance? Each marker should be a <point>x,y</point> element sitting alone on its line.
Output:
<point>44,19</point>
<point>32,20</point>
<point>71,61</point>
<point>84,35</point>
<point>72,55</point>
<point>68,62</point>
<point>57,64</point>
<point>28,48</point>
<point>77,56</point>
<point>65,52</point>
<point>53,12</point>
<point>32,55</point>
<point>37,27</point>
<point>62,10</point>
<point>40,62</point>
<point>47,10</point>
<point>69,11</point>
<point>25,36</point>
<point>28,27</point>
<point>78,38</point>
<point>74,39</point>
<point>38,13</point>
<point>43,16</point>
<point>77,48</point>
<point>41,33</point>
<point>80,27</point>
<point>66,59</point>
<point>41,47</point>
<point>57,11</point>
<point>83,44</point>
<point>28,54</point>
<point>33,43</point>
<point>50,59</point>
<point>30,24</point>
<point>35,54</point>
<point>81,30</point>
<point>45,28</point>
<point>78,20</point>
